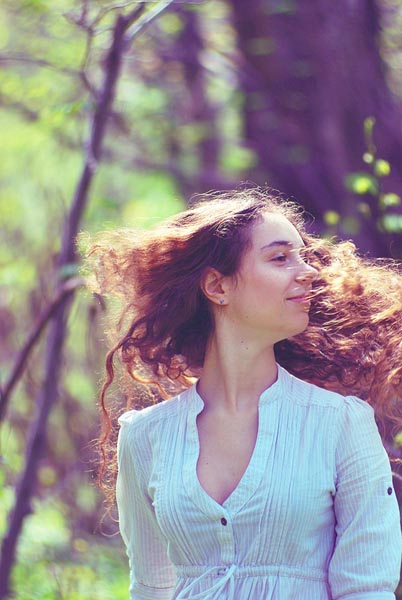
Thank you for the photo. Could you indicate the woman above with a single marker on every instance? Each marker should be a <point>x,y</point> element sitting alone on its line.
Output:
<point>252,482</point>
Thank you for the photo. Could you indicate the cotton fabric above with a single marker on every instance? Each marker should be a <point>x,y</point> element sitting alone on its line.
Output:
<point>314,516</point>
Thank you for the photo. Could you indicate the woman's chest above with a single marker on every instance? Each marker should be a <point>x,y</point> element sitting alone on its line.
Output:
<point>226,446</point>
<point>287,486</point>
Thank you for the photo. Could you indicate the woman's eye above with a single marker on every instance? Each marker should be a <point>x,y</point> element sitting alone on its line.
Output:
<point>280,258</point>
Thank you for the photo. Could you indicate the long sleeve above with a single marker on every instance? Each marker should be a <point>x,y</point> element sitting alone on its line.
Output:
<point>152,577</point>
<point>366,560</point>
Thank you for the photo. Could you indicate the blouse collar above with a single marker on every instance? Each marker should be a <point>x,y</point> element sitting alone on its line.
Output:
<point>275,391</point>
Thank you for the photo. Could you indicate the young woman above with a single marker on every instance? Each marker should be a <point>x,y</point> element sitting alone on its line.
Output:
<point>264,476</point>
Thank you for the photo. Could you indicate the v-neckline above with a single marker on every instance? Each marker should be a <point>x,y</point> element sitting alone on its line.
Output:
<point>251,478</point>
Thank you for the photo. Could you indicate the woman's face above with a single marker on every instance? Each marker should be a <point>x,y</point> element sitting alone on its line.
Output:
<point>268,297</point>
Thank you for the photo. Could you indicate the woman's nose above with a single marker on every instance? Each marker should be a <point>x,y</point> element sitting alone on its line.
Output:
<point>307,273</point>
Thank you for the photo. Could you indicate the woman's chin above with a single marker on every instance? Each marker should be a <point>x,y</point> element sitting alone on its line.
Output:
<point>303,324</point>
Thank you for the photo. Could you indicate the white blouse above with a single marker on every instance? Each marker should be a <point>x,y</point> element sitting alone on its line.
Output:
<point>314,516</point>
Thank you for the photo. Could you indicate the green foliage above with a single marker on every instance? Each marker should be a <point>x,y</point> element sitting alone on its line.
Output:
<point>362,183</point>
<point>391,223</point>
<point>387,200</point>
<point>398,440</point>
<point>45,112</point>
<point>331,218</point>
<point>153,150</point>
<point>171,23</point>
<point>53,564</point>
<point>382,168</point>
<point>236,159</point>
<point>10,444</point>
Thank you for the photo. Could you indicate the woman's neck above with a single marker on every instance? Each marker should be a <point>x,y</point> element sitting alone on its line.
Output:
<point>235,373</point>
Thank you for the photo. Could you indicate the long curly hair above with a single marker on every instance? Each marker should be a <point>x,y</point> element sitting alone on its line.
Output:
<point>353,344</point>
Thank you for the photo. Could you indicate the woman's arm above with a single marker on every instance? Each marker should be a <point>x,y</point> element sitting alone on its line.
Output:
<point>152,576</point>
<point>367,557</point>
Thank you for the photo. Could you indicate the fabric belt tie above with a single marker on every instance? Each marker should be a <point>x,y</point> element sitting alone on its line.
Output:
<point>226,576</point>
<point>225,580</point>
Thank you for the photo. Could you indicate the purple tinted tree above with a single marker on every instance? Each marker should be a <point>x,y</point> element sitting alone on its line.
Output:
<point>125,27</point>
<point>312,73</point>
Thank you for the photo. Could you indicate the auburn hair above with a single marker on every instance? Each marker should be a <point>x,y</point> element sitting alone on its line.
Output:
<point>353,344</point>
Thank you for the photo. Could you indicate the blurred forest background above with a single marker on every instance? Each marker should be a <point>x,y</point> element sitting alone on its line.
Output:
<point>115,113</point>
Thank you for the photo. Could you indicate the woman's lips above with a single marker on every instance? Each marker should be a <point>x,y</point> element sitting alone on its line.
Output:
<point>304,299</point>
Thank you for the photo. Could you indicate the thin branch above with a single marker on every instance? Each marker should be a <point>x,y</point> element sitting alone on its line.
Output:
<point>147,19</point>
<point>102,13</point>
<point>84,64</point>
<point>58,327</point>
<point>87,83</point>
<point>16,105</point>
<point>66,290</point>
<point>90,29</point>
<point>40,62</point>
<point>80,20</point>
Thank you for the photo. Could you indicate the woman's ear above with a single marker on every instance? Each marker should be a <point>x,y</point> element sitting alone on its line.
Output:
<point>213,285</point>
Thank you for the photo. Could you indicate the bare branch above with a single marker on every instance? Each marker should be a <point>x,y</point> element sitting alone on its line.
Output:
<point>109,9</point>
<point>66,290</point>
<point>40,62</point>
<point>147,19</point>
<point>87,83</point>
<point>81,19</point>
<point>18,106</point>
<point>58,327</point>
<point>91,30</point>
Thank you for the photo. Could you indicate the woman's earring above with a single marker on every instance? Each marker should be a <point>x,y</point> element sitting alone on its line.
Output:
<point>221,301</point>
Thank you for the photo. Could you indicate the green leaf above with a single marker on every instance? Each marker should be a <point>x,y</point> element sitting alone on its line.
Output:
<point>47,475</point>
<point>79,385</point>
<point>368,134</point>
<point>368,157</point>
<point>390,199</point>
<point>392,223</point>
<point>171,23</point>
<point>70,108</point>
<point>382,168</point>
<point>236,158</point>
<point>331,218</point>
<point>369,126</point>
<point>361,183</point>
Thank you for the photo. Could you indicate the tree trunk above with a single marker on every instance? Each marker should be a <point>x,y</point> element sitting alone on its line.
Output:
<point>312,74</point>
<point>196,110</point>
<point>57,330</point>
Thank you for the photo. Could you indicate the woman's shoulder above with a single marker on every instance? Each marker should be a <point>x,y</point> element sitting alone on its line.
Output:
<point>305,392</point>
<point>150,416</point>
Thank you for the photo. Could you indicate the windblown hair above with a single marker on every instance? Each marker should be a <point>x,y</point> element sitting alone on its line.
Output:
<point>353,344</point>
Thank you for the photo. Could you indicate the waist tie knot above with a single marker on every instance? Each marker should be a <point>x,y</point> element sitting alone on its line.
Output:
<point>226,575</point>
<point>225,580</point>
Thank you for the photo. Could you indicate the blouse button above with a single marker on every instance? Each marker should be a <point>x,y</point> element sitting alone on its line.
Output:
<point>224,521</point>
<point>389,490</point>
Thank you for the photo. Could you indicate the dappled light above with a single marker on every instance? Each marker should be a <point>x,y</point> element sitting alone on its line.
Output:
<point>114,115</point>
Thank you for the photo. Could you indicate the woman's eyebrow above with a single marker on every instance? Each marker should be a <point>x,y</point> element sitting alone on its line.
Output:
<point>278,243</point>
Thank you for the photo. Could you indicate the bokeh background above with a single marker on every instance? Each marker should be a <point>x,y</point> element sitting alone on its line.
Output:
<point>116,113</point>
